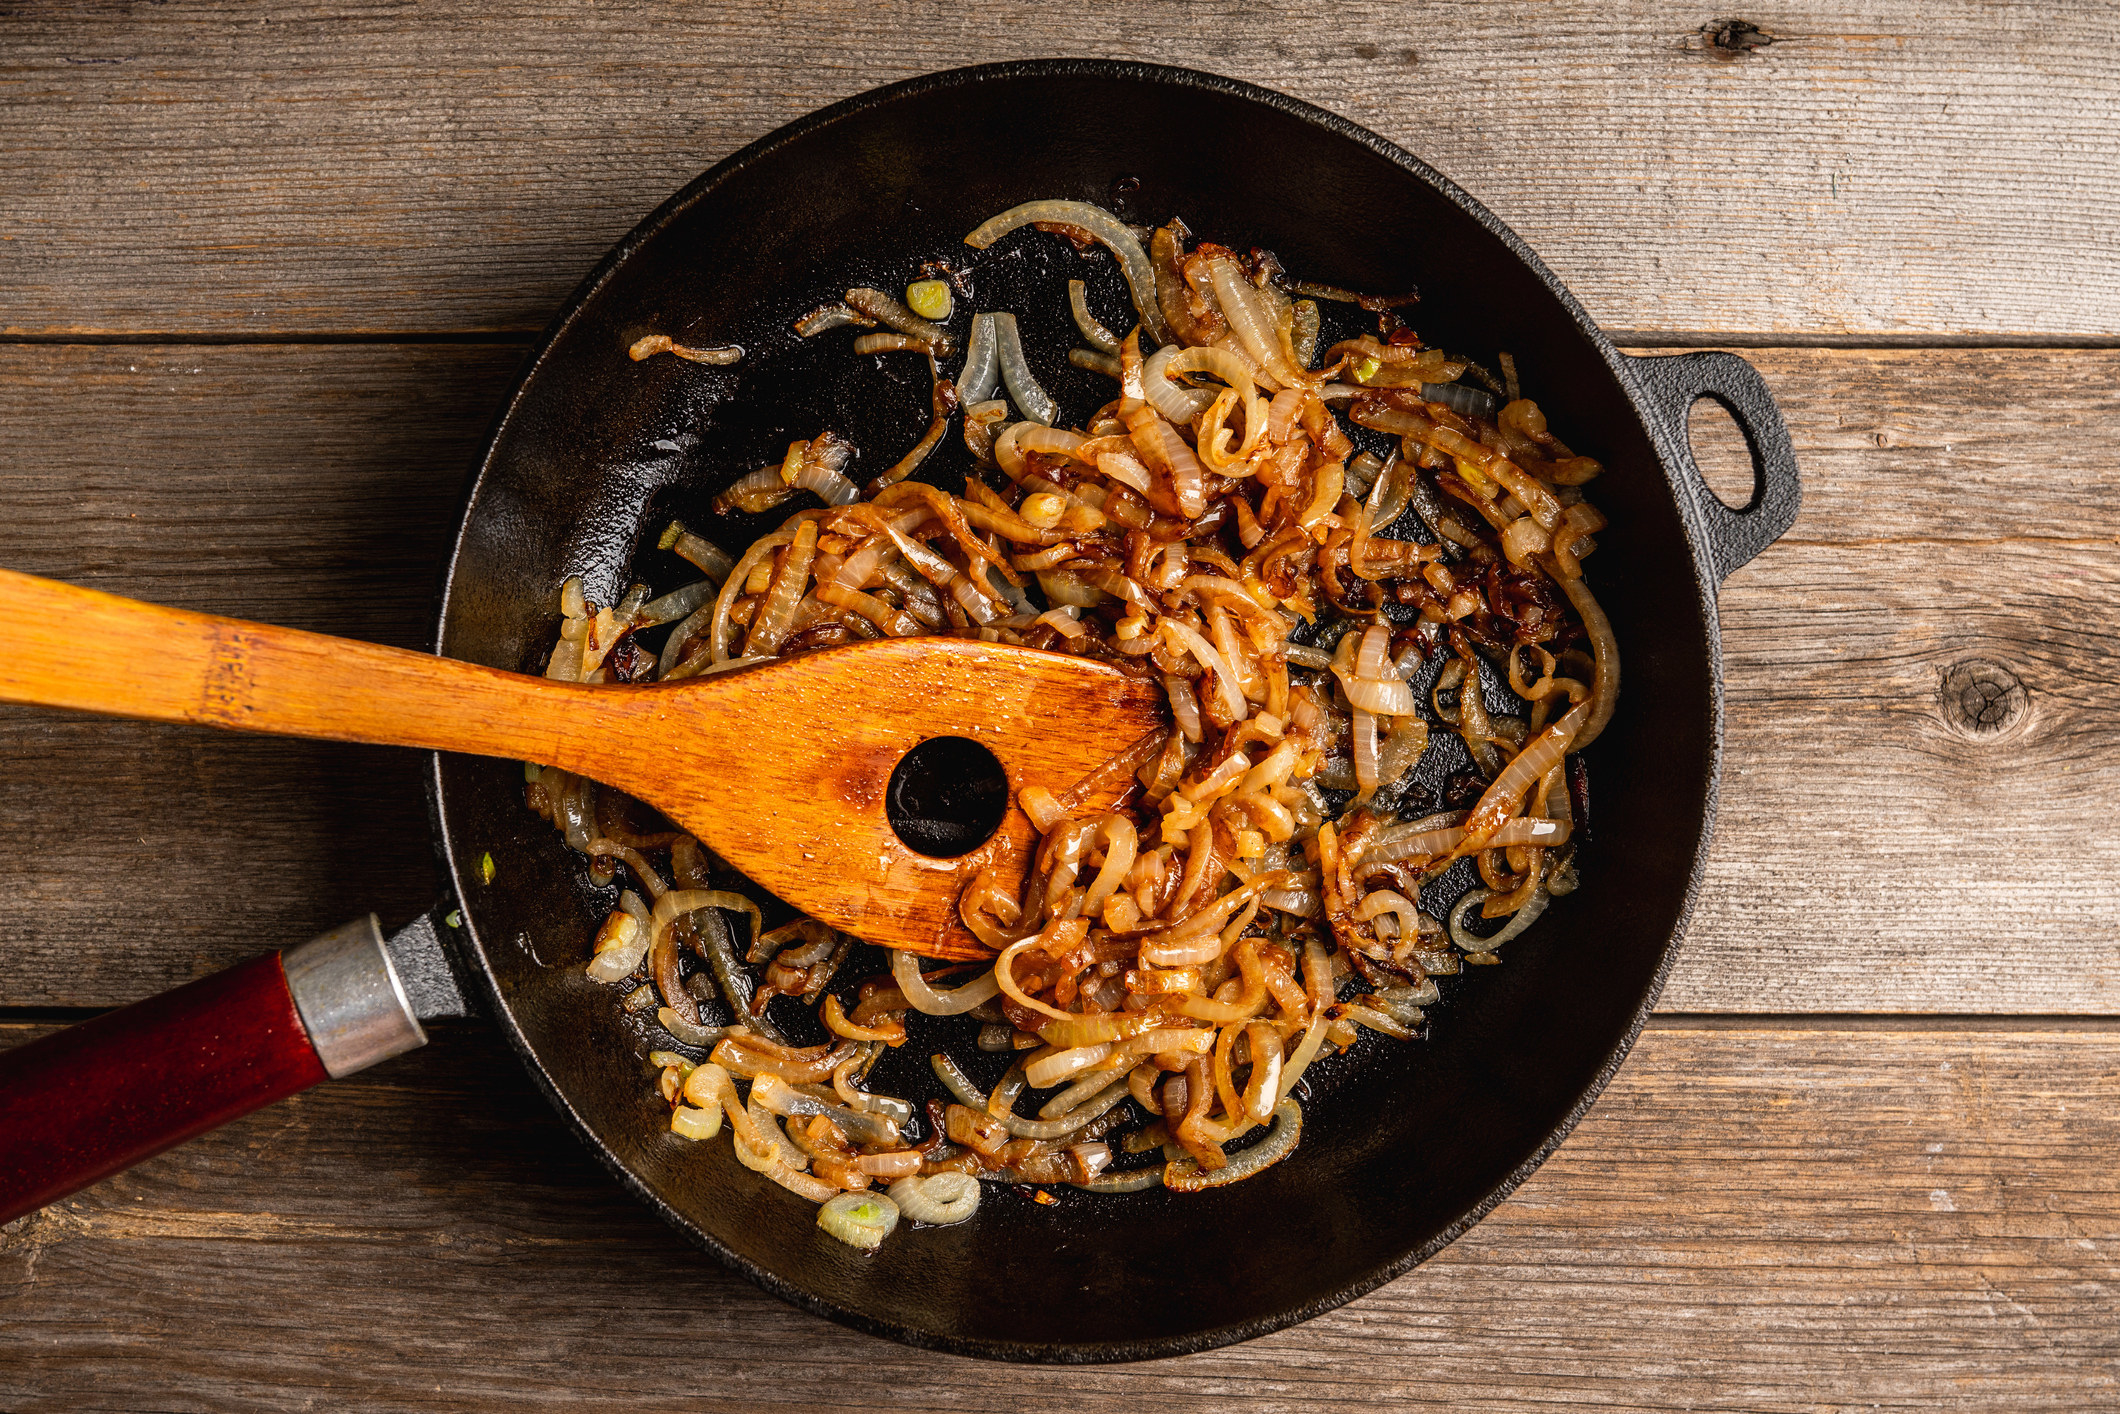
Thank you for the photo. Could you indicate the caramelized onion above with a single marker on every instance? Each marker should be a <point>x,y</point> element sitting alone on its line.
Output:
<point>1180,404</point>
<point>651,344</point>
<point>878,305</point>
<point>940,1199</point>
<point>1133,261</point>
<point>1182,534</point>
<point>1165,453</point>
<point>905,971</point>
<point>1604,690</point>
<point>981,373</point>
<point>1186,1175</point>
<point>1505,796</point>
<point>1251,323</point>
<point>1023,389</point>
<point>1098,337</point>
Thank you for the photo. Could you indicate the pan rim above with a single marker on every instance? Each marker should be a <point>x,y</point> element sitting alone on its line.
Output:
<point>1685,498</point>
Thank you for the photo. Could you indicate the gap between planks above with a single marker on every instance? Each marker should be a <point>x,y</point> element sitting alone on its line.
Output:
<point>1768,1221</point>
<point>14,1018</point>
<point>1666,340</point>
<point>193,167</point>
<point>314,486</point>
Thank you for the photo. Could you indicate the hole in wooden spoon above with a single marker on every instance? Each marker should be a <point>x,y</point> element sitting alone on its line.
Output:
<point>947,797</point>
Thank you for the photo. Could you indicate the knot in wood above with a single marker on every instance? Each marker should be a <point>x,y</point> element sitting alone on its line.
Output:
<point>1731,39</point>
<point>1980,698</point>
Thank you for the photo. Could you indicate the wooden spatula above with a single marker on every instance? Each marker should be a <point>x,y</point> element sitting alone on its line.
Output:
<point>782,769</point>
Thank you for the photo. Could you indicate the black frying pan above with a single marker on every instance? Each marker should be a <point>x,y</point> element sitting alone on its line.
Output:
<point>1404,1145</point>
<point>593,453</point>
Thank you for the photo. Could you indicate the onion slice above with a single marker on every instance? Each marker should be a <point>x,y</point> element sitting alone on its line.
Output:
<point>1098,337</point>
<point>1522,919</point>
<point>944,402</point>
<point>1251,322</point>
<point>859,1219</point>
<point>878,305</point>
<point>1185,637</point>
<point>1524,830</point>
<point>1181,405</point>
<point>1035,403</point>
<point>982,370</point>
<point>1186,1176</point>
<point>1505,796</point>
<point>938,1199</point>
<point>649,345</point>
<point>1133,261</point>
<point>905,971</point>
<point>1604,689</point>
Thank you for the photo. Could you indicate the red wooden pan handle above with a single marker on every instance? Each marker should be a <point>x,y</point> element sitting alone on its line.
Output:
<point>83,1103</point>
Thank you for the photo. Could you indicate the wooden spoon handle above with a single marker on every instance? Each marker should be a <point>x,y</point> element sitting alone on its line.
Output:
<point>95,652</point>
<point>782,771</point>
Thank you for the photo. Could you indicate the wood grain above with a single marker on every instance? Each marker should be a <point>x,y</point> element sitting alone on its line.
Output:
<point>316,487</point>
<point>365,167</point>
<point>1921,854</point>
<point>733,758</point>
<point>1750,1219</point>
<point>1761,1214</point>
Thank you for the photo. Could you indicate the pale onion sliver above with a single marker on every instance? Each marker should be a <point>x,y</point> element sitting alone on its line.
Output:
<point>1188,639</point>
<point>905,971</point>
<point>1133,261</point>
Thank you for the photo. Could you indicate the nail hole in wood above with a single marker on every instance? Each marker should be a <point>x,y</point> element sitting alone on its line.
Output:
<point>1980,698</point>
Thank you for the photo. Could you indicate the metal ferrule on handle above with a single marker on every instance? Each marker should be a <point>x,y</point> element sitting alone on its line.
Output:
<point>351,999</point>
<point>86,1102</point>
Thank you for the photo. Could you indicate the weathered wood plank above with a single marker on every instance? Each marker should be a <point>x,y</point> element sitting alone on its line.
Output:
<point>1956,449</point>
<point>314,486</point>
<point>1757,1219</point>
<point>1876,851</point>
<point>317,491</point>
<point>207,168</point>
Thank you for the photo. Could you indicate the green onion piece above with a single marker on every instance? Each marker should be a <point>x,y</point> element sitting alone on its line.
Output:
<point>859,1219</point>
<point>696,1124</point>
<point>486,868</point>
<point>455,918</point>
<point>1366,370</point>
<point>930,299</point>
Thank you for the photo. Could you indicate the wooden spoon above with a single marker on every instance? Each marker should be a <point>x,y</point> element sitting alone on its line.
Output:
<point>781,769</point>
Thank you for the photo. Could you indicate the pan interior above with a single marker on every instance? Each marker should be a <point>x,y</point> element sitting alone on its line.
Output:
<point>1403,1144</point>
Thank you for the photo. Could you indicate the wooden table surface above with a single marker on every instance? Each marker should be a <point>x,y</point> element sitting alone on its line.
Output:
<point>265,272</point>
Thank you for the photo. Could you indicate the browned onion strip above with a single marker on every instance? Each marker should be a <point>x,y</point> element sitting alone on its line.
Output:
<point>1187,1176</point>
<point>893,343</point>
<point>878,305</point>
<point>944,403</point>
<point>1177,544</point>
<point>951,512</point>
<point>651,344</point>
<point>1604,689</point>
<point>905,969</point>
<point>789,581</point>
<point>1099,337</point>
<point>733,586</point>
<point>1505,796</point>
<point>1165,454</point>
<point>1133,261</point>
<point>1189,317</point>
<point>830,316</point>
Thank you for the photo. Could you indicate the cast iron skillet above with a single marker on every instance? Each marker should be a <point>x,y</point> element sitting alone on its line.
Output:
<point>1401,1152</point>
